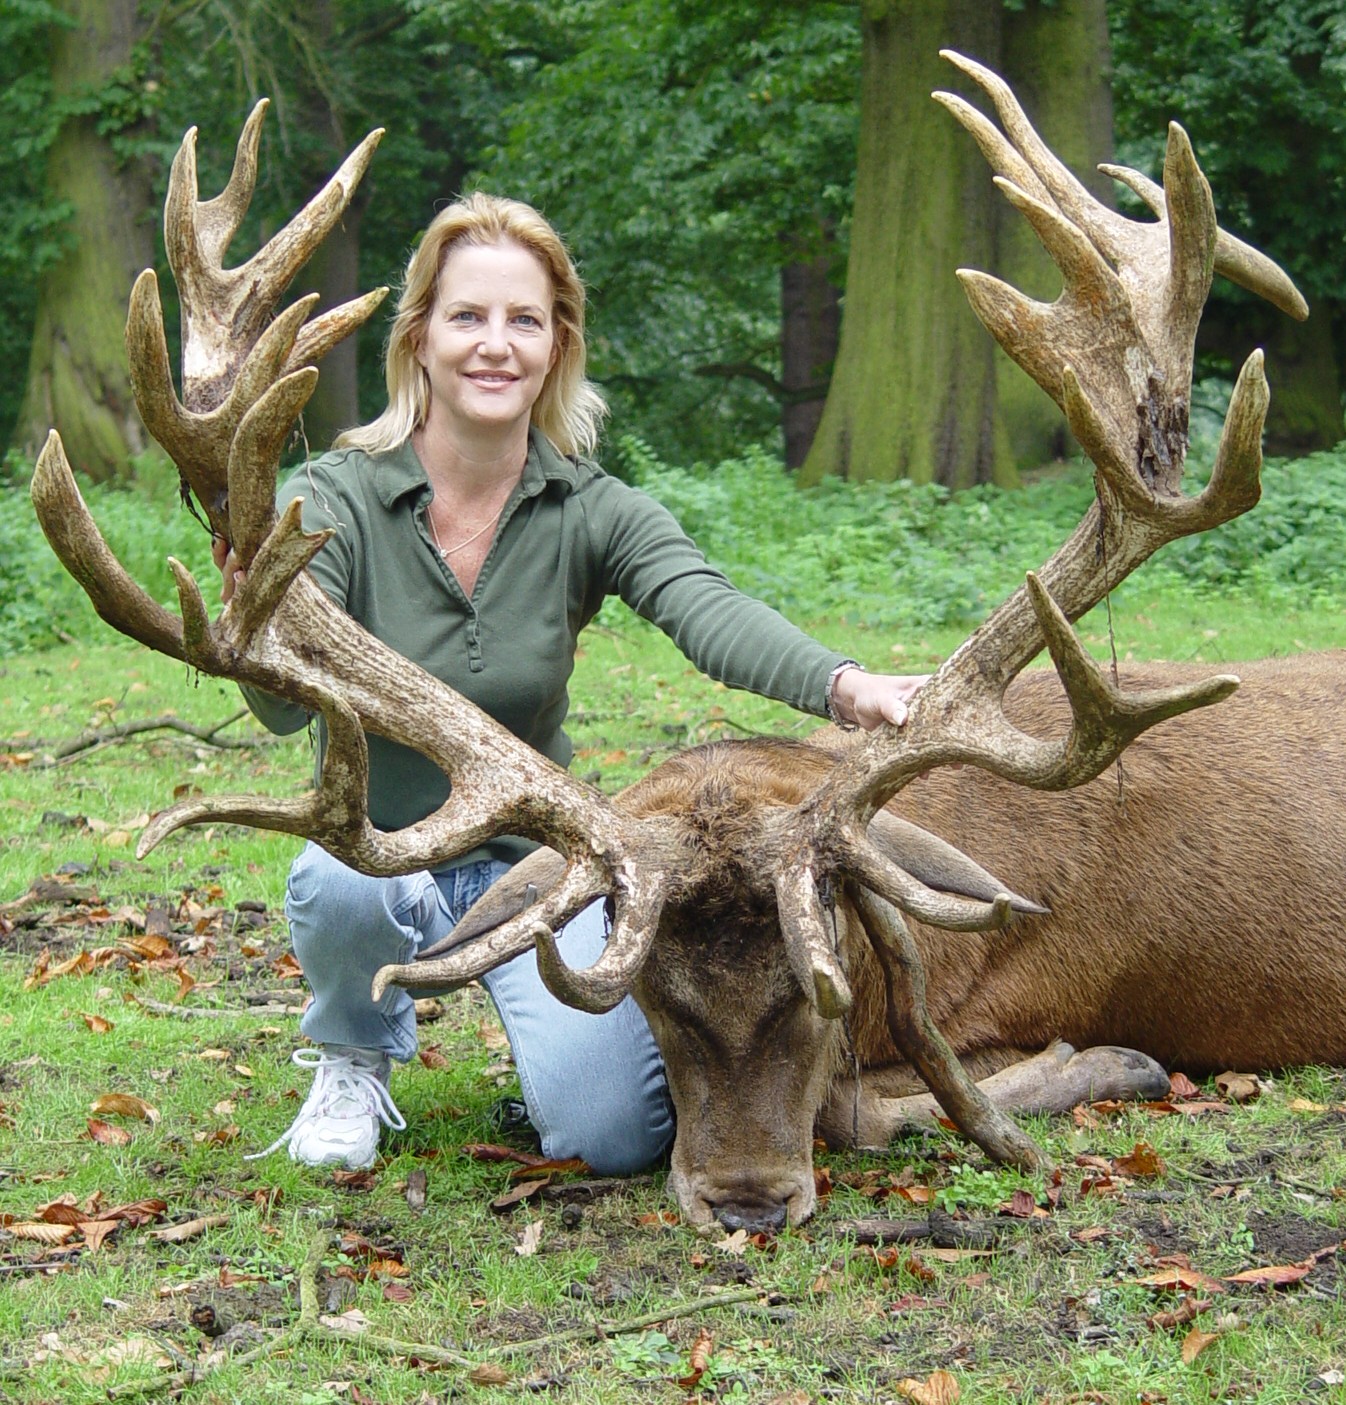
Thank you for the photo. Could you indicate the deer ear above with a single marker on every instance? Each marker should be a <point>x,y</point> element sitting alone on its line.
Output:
<point>939,865</point>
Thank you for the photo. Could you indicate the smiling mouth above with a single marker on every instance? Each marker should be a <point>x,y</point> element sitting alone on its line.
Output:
<point>491,378</point>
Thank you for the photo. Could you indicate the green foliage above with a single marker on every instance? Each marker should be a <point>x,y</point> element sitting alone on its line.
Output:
<point>981,1191</point>
<point>33,229</point>
<point>1261,85</point>
<point>898,556</point>
<point>40,604</point>
<point>688,150</point>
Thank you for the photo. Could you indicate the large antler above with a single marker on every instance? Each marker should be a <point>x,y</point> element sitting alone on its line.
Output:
<point>1115,352</point>
<point>246,375</point>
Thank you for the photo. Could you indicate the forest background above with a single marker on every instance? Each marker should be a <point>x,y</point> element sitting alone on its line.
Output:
<point>766,205</point>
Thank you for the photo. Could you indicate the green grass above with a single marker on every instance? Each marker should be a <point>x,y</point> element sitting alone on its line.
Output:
<point>1056,1313</point>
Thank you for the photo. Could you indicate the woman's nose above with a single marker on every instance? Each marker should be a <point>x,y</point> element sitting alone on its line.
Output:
<point>494,338</point>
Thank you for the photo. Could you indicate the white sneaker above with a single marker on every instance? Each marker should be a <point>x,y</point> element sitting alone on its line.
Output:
<point>349,1103</point>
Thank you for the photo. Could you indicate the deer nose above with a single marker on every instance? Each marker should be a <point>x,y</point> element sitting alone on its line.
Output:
<point>755,1219</point>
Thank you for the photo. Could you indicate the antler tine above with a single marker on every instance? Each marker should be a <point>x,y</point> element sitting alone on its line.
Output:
<point>1237,261</point>
<point>1104,226</point>
<point>225,310</point>
<point>582,882</point>
<point>1115,350</point>
<point>74,536</point>
<point>915,1034</point>
<point>334,813</point>
<point>639,900</point>
<point>218,219</point>
<point>803,927</point>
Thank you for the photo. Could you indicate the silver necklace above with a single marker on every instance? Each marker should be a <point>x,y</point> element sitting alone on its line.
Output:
<point>447,551</point>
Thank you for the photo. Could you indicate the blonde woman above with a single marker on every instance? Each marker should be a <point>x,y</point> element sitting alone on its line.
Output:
<point>476,536</point>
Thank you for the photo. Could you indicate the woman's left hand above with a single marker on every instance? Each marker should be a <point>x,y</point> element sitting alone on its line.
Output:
<point>870,699</point>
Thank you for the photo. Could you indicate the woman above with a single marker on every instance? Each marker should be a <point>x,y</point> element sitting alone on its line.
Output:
<point>473,537</point>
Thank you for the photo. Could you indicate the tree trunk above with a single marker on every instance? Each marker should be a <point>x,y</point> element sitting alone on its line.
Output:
<point>334,270</point>
<point>77,378</point>
<point>810,326</point>
<point>913,394</point>
<point>1056,58</point>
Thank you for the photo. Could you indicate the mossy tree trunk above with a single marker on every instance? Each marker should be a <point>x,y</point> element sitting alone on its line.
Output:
<point>77,379</point>
<point>810,327</point>
<point>1056,58</point>
<point>334,270</point>
<point>920,390</point>
<point>913,394</point>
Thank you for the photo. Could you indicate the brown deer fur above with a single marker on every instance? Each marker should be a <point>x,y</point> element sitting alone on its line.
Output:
<point>1198,915</point>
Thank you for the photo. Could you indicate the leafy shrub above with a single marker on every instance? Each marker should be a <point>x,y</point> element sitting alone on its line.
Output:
<point>909,556</point>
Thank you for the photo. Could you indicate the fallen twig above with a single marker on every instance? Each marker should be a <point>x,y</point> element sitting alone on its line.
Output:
<point>311,1326</point>
<point>939,1229</point>
<point>569,1192</point>
<point>96,738</point>
<point>629,1324</point>
<point>216,1012</point>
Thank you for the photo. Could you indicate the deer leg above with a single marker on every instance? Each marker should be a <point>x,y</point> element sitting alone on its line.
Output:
<point>1057,1079</point>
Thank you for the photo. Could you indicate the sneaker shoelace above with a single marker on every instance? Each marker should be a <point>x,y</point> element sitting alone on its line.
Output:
<point>337,1078</point>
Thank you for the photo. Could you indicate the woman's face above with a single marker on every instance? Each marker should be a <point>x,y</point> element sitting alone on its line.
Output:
<point>489,341</point>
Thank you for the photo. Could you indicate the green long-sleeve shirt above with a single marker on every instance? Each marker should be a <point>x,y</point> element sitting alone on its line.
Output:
<point>568,536</point>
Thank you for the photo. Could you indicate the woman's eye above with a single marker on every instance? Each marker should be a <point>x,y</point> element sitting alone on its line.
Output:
<point>526,319</point>
<point>463,317</point>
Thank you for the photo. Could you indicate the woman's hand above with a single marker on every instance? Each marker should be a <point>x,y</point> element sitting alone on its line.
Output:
<point>869,700</point>
<point>223,555</point>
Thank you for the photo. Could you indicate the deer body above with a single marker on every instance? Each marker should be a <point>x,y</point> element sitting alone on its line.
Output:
<point>1199,918</point>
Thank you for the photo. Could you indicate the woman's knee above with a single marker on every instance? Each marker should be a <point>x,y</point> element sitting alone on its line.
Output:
<point>330,905</point>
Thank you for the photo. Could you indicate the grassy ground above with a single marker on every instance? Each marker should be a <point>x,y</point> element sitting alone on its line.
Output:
<point>147,1012</point>
<point>178,994</point>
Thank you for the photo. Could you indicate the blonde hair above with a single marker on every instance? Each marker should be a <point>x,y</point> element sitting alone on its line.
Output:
<point>569,411</point>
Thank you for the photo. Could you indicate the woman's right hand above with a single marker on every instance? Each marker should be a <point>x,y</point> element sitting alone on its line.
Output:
<point>233,574</point>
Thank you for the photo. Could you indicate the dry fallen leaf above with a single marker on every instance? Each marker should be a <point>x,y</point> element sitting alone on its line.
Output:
<point>124,1105</point>
<point>1195,1342</point>
<point>97,1024</point>
<point>1295,1104</point>
<point>698,1359</point>
<point>42,1232</point>
<point>953,1256</point>
<point>488,1373</point>
<point>525,1190</point>
<point>732,1243</point>
<point>95,1231</point>
<point>352,1321</point>
<point>1186,1311</point>
<point>939,1389</point>
<point>492,1036</point>
<point>1185,1279</point>
<point>189,1229</point>
<point>1276,1274</point>
<point>1239,1087</point>
<point>105,1134</point>
<point>529,1240</point>
<point>1141,1162</point>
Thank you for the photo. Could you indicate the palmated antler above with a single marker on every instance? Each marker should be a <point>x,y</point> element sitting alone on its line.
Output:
<point>246,376</point>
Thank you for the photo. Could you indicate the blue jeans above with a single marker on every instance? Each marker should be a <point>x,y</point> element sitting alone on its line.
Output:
<point>593,1084</point>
